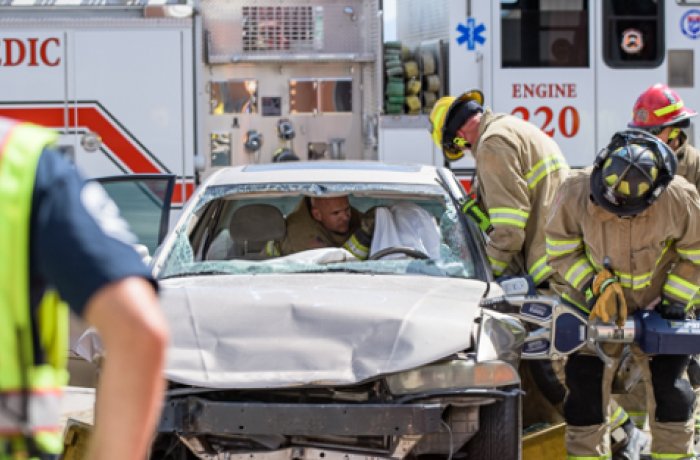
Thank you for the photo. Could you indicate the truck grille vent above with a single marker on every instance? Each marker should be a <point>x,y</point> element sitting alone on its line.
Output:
<point>279,28</point>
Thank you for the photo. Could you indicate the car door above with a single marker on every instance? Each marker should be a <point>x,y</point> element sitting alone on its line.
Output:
<point>144,202</point>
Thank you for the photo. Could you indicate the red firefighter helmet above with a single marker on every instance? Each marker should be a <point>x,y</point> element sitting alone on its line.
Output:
<point>657,107</point>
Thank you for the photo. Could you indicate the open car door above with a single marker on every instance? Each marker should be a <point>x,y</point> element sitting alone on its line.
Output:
<point>144,202</point>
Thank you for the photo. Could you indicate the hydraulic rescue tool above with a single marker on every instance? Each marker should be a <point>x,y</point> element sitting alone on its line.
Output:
<point>563,330</point>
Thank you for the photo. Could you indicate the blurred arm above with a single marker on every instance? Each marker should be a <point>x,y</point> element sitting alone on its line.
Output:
<point>130,389</point>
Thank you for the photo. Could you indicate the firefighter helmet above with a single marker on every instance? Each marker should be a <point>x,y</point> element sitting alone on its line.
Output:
<point>631,172</point>
<point>448,115</point>
<point>657,107</point>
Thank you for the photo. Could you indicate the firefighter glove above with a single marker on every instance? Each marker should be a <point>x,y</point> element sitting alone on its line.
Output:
<point>471,209</point>
<point>669,309</point>
<point>361,239</point>
<point>610,303</point>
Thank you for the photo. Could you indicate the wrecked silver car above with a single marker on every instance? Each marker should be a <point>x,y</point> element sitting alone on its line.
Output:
<point>320,355</point>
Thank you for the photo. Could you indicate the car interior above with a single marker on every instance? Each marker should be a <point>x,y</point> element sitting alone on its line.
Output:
<point>251,227</point>
<point>241,228</point>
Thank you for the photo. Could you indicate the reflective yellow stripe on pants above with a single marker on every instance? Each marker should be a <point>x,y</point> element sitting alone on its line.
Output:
<point>497,266</point>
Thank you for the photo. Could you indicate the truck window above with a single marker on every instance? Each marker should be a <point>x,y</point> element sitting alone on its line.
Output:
<point>322,95</point>
<point>633,33</point>
<point>302,96</point>
<point>544,33</point>
<point>234,96</point>
<point>335,95</point>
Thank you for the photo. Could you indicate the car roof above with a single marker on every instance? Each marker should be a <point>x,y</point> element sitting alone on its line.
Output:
<point>367,172</point>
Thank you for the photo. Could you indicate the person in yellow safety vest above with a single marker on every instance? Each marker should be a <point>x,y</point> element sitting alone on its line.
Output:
<point>60,238</point>
<point>626,235</point>
<point>660,111</point>
<point>319,222</point>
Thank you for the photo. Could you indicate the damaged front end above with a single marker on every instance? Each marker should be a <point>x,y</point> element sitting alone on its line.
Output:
<point>433,409</point>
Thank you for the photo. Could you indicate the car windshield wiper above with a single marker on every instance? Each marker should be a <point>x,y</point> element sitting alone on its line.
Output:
<point>336,270</point>
<point>203,272</point>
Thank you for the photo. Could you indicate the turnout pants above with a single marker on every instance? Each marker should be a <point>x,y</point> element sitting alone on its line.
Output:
<point>669,399</point>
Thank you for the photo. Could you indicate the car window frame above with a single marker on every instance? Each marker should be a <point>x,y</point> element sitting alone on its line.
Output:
<point>456,191</point>
<point>133,178</point>
<point>197,212</point>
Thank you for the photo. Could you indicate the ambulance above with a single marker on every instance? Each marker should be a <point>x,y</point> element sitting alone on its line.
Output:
<point>115,81</point>
<point>574,68</point>
<point>183,88</point>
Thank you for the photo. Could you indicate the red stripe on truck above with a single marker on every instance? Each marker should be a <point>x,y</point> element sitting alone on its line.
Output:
<point>122,147</point>
<point>94,120</point>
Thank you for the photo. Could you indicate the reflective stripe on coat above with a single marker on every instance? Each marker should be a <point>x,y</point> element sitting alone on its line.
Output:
<point>519,169</point>
<point>654,253</point>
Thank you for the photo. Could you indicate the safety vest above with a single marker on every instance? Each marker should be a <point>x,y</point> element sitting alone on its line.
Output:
<point>29,391</point>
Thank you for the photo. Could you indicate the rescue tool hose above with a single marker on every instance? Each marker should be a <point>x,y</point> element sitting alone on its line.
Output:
<point>449,432</point>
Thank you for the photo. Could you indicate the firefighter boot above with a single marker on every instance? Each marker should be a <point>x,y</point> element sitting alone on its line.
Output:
<point>628,442</point>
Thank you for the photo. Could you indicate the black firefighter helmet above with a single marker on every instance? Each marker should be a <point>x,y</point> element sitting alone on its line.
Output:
<point>631,172</point>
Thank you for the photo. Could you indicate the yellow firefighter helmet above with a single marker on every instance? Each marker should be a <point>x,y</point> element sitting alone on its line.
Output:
<point>444,121</point>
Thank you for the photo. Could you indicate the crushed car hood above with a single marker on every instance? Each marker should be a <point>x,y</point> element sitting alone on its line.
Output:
<point>271,331</point>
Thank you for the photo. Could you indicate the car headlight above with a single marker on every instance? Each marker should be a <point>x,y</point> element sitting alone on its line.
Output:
<point>501,337</point>
<point>455,374</point>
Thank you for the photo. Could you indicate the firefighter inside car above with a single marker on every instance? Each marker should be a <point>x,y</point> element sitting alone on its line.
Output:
<point>319,222</point>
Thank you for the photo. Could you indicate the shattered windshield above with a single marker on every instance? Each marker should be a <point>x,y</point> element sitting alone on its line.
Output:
<point>250,229</point>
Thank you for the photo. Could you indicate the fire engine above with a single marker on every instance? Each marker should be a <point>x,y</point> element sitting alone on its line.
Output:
<point>572,67</point>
